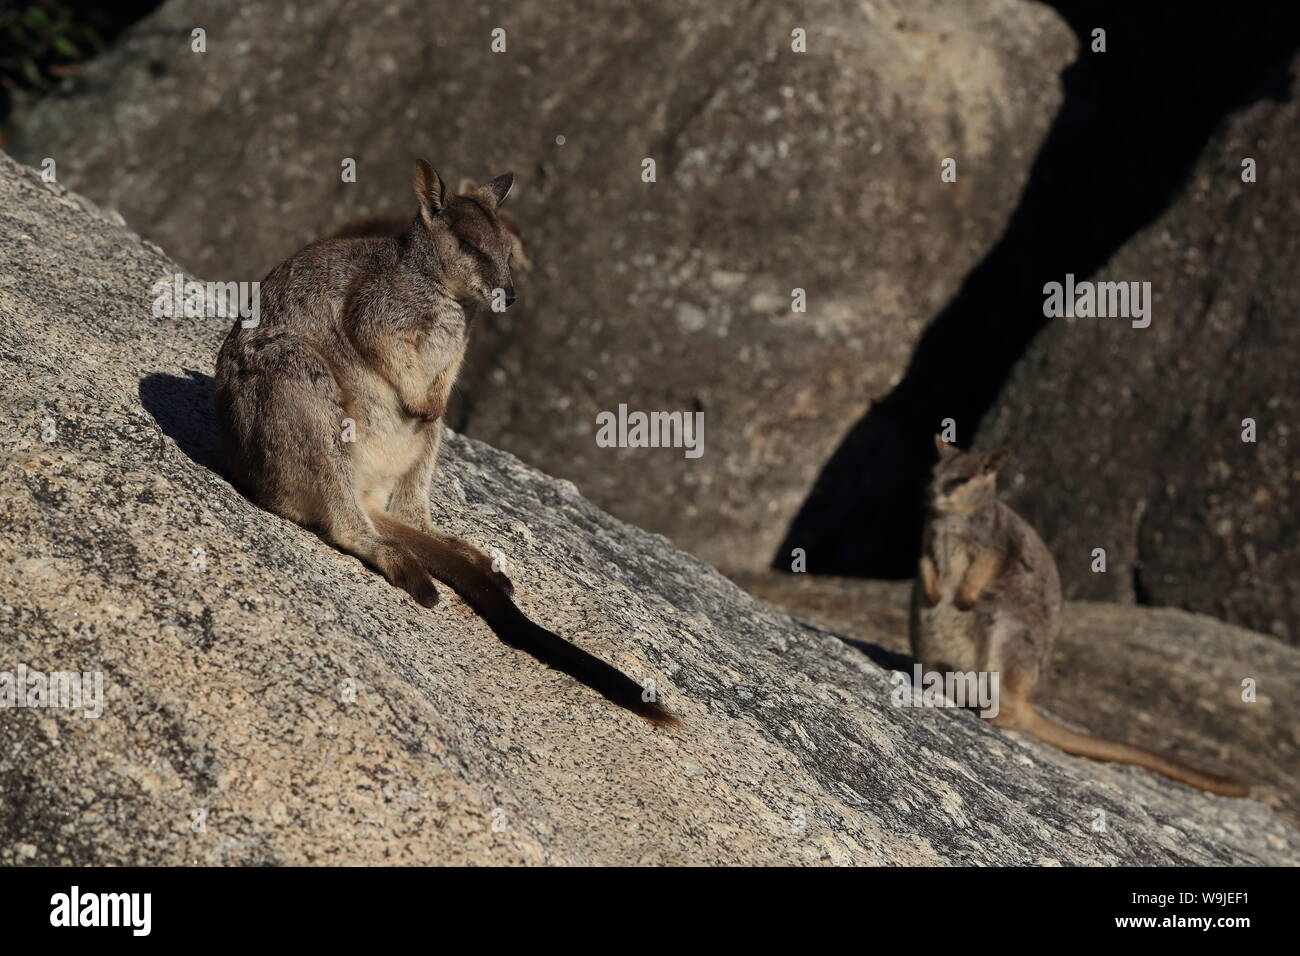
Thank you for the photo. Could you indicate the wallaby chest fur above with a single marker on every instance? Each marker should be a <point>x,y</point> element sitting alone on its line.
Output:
<point>1012,625</point>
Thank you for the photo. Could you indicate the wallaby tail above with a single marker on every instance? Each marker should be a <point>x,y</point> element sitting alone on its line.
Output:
<point>1085,745</point>
<point>455,563</point>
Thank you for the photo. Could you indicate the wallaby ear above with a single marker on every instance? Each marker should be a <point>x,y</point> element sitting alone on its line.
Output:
<point>429,188</point>
<point>500,187</point>
<point>994,460</point>
<point>943,448</point>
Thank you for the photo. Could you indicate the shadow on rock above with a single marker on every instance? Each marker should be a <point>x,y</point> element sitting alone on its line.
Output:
<point>184,409</point>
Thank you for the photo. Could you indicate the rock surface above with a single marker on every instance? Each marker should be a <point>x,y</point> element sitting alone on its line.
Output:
<point>775,170</point>
<point>228,640</point>
<point>1164,679</point>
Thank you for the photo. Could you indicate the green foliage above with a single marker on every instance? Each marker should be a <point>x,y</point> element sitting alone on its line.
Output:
<point>41,39</point>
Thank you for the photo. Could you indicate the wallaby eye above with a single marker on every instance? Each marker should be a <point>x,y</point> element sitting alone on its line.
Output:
<point>466,248</point>
<point>952,484</point>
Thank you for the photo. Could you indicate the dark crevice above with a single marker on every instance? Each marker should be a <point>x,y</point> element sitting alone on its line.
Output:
<point>1133,122</point>
<point>1141,593</point>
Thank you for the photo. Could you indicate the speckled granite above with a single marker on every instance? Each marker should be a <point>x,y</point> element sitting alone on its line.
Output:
<point>226,685</point>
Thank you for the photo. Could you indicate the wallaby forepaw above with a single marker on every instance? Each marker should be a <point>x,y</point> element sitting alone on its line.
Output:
<point>963,602</point>
<point>427,413</point>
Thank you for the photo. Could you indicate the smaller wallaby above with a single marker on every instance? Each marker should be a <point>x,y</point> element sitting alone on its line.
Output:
<point>987,599</point>
<point>332,405</point>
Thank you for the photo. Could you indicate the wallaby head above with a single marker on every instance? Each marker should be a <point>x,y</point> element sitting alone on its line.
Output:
<point>470,242</point>
<point>520,261</point>
<point>964,481</point>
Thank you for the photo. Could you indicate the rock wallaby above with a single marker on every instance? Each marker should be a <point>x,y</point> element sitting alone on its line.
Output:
<point>987,599</point>
<point>332,405</point>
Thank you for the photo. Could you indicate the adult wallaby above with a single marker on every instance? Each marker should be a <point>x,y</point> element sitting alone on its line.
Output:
<point>362,339</point>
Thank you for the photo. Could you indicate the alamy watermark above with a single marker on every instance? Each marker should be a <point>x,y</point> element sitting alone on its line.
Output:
<point>651,430</point>
<point>974,689</point>
<point>67,690</point>
<point>75,908</point>
<point>1102,300</point>
<point>178,298</point>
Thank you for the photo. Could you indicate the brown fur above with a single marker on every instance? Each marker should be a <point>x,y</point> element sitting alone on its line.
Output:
<point>381,225</point>
<point>374,330</point>
<point>988,598</point>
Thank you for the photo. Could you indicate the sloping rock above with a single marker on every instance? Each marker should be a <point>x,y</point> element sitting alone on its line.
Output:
<point>776,170</point>
<point>226,670</point>
<point>1164,679</point>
